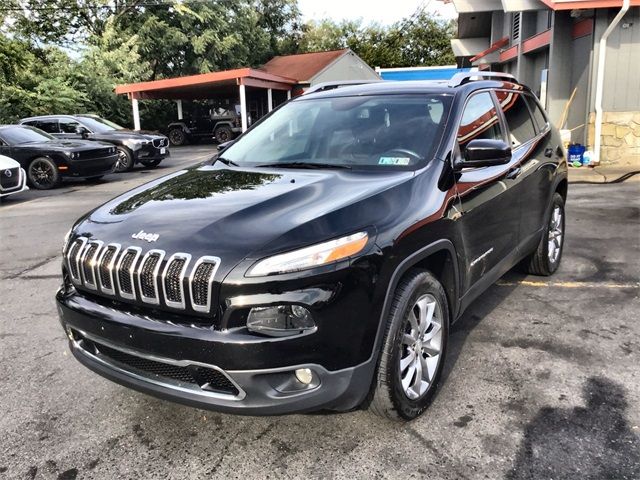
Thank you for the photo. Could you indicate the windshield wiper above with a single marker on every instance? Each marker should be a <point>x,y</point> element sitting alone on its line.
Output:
<point>227,162</point>
<point>305,165</point>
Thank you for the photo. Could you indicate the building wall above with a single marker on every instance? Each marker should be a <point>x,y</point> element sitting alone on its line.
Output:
<point>347,67</point>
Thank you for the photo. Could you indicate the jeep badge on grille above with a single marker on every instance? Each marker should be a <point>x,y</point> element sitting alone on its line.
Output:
<point>149,237</point>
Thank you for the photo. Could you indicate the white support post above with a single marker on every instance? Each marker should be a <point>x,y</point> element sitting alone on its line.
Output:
<point>269,99</point>
<point>179,104</point>
<point>288,94</point>
<point>243,107</point>
<point>136,114</point>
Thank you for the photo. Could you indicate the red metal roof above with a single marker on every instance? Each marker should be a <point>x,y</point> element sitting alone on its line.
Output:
<point>303,66</point>
<point>170,87</point>
<point>499,44</point>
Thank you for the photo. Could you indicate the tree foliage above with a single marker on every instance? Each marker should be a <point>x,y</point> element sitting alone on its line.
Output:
<point>61,56</point>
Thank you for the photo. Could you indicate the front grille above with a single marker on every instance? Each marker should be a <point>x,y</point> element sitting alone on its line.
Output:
<point>160,142</point>
<point>195,376</point>
<point>96,153</point>
<point>10,178</point>
<point>129,274</point>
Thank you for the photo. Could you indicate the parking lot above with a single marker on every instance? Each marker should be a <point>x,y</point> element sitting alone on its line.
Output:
<point>542,379</point>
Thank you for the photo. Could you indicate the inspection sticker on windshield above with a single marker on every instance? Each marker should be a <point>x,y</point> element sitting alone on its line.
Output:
<point>394,161</point>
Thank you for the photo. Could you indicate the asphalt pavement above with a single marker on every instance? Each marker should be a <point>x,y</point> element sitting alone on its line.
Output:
<point>542,376</point>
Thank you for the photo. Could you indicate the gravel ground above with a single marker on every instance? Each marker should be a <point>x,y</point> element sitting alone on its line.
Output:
<point>542,378</point>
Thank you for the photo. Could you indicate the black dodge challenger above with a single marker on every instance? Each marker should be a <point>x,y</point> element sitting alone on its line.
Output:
<point>48,160</point>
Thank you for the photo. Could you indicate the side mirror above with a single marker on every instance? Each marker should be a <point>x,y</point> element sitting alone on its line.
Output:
<point>223,146</point>
<point>80,130</point>
<point>485,153</point>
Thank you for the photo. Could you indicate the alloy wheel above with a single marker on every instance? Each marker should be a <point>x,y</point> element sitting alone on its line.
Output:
<point>421,347</point>
<point>42,174</point>
<point>555,235</point>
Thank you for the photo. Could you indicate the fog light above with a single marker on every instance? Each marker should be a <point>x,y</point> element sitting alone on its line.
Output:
<point>304,375</point>
<point>281,320</point>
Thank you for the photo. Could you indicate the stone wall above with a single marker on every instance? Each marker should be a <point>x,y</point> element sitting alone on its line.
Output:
<point>620,138</point>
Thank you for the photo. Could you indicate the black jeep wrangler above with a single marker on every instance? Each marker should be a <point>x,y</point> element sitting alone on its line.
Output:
<point>320,260</point>
<point>220,122</point>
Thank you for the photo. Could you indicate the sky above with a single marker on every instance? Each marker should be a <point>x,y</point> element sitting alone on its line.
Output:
<point>384,12</point>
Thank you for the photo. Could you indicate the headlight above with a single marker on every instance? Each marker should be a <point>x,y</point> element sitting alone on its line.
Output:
<point>72,154</point>
<point>314,256</point>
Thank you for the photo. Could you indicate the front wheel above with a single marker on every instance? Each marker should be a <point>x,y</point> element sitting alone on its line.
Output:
<point>546,258</point>
<point>43,174</point>
<point>177,137</point>
<point>223,134</point>
<point>414,348</point>
<point>125,160</point>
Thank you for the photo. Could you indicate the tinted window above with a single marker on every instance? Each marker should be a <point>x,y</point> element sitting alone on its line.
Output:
<point>49,126</point>
<point>518,118</point>
<point>99,125</point>
<point>365,131</point>
<point>17,135</point>
<point>538,114</point>
<point>479,120</point>
<point>68,125</point>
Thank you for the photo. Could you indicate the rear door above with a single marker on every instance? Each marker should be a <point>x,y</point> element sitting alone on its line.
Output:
<point>534,162</point>
<point>489,204</point>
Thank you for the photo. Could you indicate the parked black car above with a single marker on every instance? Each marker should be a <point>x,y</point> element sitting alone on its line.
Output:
<point>221,123</point>
<point>48,160</point>
<point>319,261</point>
<point>134,146</point>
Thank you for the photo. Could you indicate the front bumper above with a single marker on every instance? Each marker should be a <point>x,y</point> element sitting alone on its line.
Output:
<point>90,168</point>
<point>151,152</point>
<point>133,350</point>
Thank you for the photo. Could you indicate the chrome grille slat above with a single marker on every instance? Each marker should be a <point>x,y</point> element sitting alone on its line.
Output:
<point>105,265</point>
<point>173,280</point>
<point>125,272</point>
<point>148,276</point>
<point>200,282</point>
<point>88,263</point>
<point>73,259</point>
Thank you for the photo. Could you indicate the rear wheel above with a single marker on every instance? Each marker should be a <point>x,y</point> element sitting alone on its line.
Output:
<point>151,163</point>
<point>223,134</point>
<point>125,160</point>
<point>545,260</point>
<point>414,348</point>
<point>177,137</point>
<point>43,174</point>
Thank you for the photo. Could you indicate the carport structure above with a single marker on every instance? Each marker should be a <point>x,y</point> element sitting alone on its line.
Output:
<point>245,83</point>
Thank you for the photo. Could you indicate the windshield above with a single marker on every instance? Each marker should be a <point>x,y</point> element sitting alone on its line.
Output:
<point>100,125</point>
<point>383,131</point>
<point>18,135</point>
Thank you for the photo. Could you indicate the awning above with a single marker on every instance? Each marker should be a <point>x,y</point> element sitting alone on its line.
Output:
<point>493,48</point>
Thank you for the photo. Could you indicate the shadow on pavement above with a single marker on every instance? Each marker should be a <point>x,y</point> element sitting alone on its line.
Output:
<point>592,442</point>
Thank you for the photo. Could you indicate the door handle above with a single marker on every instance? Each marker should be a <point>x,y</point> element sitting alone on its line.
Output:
<point>548,152</point>
<point>513,173</point>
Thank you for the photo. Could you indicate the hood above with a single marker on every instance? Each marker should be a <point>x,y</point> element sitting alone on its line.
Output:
<point>235,214</point>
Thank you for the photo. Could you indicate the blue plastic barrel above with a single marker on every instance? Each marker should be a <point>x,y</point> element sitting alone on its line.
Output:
<point>576,151</point>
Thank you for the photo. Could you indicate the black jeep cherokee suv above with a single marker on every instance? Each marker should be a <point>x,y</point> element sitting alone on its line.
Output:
<point>319,261</point>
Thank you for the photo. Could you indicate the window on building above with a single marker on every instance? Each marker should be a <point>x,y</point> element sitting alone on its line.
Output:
<point>515,27</point>
<point>516,113</point>
<point>479,120</point>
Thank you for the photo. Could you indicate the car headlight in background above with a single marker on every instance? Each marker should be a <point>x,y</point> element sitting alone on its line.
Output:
<point>313,256</point>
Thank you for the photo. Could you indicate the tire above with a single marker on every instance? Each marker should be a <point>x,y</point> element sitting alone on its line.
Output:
<point>546,258</point>
<point>223,134</point>
<point>151,163</point>
<point>397,394</point>
<point>177,137</point>
<point>125,160</point>
<point>43,174</point>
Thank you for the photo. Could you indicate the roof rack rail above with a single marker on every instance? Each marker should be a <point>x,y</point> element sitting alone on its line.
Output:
<point>321,87</point>
<point>465,77</point>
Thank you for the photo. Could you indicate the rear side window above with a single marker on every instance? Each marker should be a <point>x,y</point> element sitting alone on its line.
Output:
<point>538,114</point>
<point>49,126</point>
<point>518,118</point>
<point>479,120</point>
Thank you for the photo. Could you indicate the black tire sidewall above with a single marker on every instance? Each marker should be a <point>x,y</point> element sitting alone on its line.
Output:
<point>56,179</point>
<point>228,134</point>
<point>419,285</point>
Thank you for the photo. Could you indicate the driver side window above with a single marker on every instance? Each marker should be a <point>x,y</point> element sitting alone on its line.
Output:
<point>68,126</point>
<point>479,120</point>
